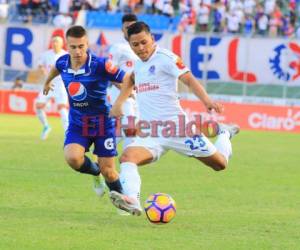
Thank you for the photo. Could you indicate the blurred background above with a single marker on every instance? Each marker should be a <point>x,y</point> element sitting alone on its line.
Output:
<point>245,52</point>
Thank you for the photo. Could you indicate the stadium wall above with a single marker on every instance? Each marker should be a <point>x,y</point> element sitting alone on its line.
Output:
<point>212,58</point>
<point>222,60</point>
<point>248,116</point>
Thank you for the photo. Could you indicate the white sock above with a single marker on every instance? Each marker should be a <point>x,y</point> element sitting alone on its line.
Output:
<point>130,180</point>
<point>223,144</point>
<point>64,115</point>
<point>41,114</point>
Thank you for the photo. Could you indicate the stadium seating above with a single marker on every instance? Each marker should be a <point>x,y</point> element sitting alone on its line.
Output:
<point>106,20</point>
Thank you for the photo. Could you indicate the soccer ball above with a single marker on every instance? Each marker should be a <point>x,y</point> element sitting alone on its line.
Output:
<point>160,208</point>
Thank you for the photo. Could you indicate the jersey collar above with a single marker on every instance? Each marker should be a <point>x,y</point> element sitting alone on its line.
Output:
<point>86,68</point>
<point>154,53</point>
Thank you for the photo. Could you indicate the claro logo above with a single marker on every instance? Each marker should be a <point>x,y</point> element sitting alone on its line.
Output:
<point>266,121</point>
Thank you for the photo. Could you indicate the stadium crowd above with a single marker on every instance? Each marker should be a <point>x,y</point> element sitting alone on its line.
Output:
<point>249,17</point>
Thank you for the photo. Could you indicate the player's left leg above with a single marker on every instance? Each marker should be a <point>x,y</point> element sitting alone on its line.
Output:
<point>219,160</point>
<point>64,115</point>
<point>40,106</point>
<point>199,146</point>
<point>98,181</point>
<point>61,99</point>
<point>105,149</point>
<point>76,159</point>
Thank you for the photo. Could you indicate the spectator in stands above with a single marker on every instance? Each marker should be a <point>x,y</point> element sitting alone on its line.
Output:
<point>219,11</point>
<point>262,24</point>
<point>233,23</point>
<point>3,10</point>
<point>202,17</point>
<point>18,84</point>
<point>249,7</point>
<point>188,21</point>
<point>149,6</point>
<point>249,25</point>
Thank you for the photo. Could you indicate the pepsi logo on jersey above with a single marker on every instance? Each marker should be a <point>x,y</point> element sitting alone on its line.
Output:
<point>77,91</point>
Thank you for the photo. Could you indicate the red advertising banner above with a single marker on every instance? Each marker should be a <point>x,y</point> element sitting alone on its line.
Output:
<point>248,116</point>
<point>22,102</point>
<point>251,116</point>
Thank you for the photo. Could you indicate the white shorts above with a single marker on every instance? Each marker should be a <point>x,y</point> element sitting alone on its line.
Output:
<point>198,146</point>
<point>60,96</point>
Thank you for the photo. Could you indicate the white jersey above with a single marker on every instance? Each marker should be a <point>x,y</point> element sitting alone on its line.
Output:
<point>48,60</point>
<point>123,57</point>
<point>156,81</point>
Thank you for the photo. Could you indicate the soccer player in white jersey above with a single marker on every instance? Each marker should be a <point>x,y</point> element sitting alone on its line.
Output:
<point>156,76</point>
<point>123,57</point>
<point>45,63</point>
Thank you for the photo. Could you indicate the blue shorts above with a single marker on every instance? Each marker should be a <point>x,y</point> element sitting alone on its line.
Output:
<point>104,143</point>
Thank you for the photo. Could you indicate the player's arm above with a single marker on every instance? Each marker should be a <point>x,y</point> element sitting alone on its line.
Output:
<point>197,88</point>
<point>126,90</point>
<point>47,85</point>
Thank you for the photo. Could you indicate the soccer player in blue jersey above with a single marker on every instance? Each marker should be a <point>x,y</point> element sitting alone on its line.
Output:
<point>86,78</point>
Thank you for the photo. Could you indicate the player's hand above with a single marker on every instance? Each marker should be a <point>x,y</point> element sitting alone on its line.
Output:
<point>47,88</point>
<point>116,111</point>
<point>218,107</point>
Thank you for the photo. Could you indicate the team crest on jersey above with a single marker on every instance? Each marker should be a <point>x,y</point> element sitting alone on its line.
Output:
<point>286,62</point>
<point>77,91</point>
<point>110,68</point>
<point>179,63</point>
<point>152,70</point>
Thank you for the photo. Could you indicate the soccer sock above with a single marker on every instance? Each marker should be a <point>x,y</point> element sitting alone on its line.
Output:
<point>223,144</point>
<point>115,186</point>
<point>41,114</point>
<point>89,167</point>
<point>64,118</point>
<point>130,179</point>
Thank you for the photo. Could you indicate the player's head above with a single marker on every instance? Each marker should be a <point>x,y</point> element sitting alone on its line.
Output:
<point>127,20</point>
<point>77,43</point>
<point>141,40</point>
<point>57,43</point>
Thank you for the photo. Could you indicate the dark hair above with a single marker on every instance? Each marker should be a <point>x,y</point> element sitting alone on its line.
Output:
<point>129,18</point>
<point>138,27</point>
<point>76,31</point>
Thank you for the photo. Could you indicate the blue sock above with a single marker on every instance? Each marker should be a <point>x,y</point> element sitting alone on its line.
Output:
<point>115,186</point>
<point>89,167</point>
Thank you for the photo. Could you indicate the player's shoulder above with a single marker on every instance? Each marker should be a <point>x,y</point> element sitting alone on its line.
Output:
<point>63,58</point>
<point>166,54</point>
<point>96,60</point>
<point>62,61</point>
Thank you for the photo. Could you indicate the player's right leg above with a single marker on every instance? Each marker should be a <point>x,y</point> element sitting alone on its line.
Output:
<point>75,146</point>
<point>41,114</point>
<point>141,151</point>
<point>77,160</point>
<point>219,160</point>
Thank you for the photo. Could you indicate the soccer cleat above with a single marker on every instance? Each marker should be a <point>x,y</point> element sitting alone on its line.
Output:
<point>232,128</point>
<point>99,186</point>
<point>125,203</point>
<point>122,212</point>
<point>45,132</point>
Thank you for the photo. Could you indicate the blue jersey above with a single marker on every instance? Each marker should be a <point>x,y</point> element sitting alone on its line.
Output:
<point>87,87</point>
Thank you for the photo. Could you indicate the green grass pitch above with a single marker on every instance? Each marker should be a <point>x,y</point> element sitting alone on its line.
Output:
<point>254,204</point>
